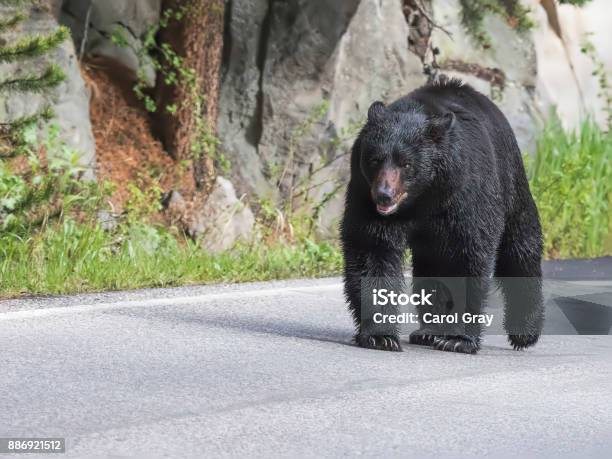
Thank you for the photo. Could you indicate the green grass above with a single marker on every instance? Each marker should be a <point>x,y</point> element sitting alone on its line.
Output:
<point>71,257</point>
<point>571,181</point>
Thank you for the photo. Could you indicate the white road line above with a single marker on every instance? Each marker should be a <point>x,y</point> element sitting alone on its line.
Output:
<point>177,301</point>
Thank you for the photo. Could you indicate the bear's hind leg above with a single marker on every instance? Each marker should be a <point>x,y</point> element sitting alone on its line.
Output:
<point>519,275</point>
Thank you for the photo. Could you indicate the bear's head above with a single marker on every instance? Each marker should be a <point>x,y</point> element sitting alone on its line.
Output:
<point>400,154</point>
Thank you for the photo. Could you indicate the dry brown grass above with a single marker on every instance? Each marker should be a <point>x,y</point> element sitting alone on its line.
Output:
<point>126,149</point>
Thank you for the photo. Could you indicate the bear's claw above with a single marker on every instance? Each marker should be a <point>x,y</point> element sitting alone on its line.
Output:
<point>462,344</point>
<point>521,342</point>
<point>422,338</point>
<point>379,342</point>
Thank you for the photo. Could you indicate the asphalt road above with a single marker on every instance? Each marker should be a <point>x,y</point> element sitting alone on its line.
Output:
<point>268,370</point>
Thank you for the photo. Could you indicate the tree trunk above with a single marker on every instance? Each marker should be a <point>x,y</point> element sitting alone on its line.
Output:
<point>197,38</point>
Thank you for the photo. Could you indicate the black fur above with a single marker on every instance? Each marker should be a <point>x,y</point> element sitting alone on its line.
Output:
<point>443,166</point>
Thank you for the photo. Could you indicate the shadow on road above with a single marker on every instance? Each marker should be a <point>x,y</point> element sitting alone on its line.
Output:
<point>277,326</point>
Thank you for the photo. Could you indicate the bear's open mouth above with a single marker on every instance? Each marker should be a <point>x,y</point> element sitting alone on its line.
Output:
<point>391,208</point>
<point>387,210</point>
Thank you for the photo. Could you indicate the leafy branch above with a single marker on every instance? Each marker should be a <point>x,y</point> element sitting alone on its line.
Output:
<point>35,46</point>
<point>52,77</point>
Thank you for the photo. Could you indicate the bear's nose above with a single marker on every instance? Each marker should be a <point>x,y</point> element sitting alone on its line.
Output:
<point>384,196</point>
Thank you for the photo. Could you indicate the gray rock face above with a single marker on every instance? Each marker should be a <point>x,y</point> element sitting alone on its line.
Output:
<point>557,85</point>
<point>298,79</point>
<point>565,74</point>
<point>55,7</point>
<point>70,100</point>
<point>130,19</point>
<point>239,122</point>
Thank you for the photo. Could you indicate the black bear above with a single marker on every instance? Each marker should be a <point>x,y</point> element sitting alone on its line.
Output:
<point>440,172</point>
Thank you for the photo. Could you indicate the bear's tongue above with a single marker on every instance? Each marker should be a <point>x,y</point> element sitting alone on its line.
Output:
<point>386,210</point>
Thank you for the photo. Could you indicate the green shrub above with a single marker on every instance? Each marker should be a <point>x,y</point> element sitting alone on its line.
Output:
<point>571,180</point>
<point>48,185</point>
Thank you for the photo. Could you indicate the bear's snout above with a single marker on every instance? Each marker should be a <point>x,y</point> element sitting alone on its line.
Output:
<point>384,196</point>
<point>387,191</point>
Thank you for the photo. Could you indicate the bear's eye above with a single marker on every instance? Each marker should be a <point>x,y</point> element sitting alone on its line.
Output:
<point>376,161</point>
<point>406,166</point>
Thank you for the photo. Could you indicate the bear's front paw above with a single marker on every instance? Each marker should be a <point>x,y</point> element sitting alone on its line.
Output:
<point>422,337</point>
<point>520,342</point>
<point>461,343</point>
<point>379,342</point>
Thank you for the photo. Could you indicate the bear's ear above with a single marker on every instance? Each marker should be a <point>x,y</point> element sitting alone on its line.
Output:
<point>376,111</point>
<point>439,125</point>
